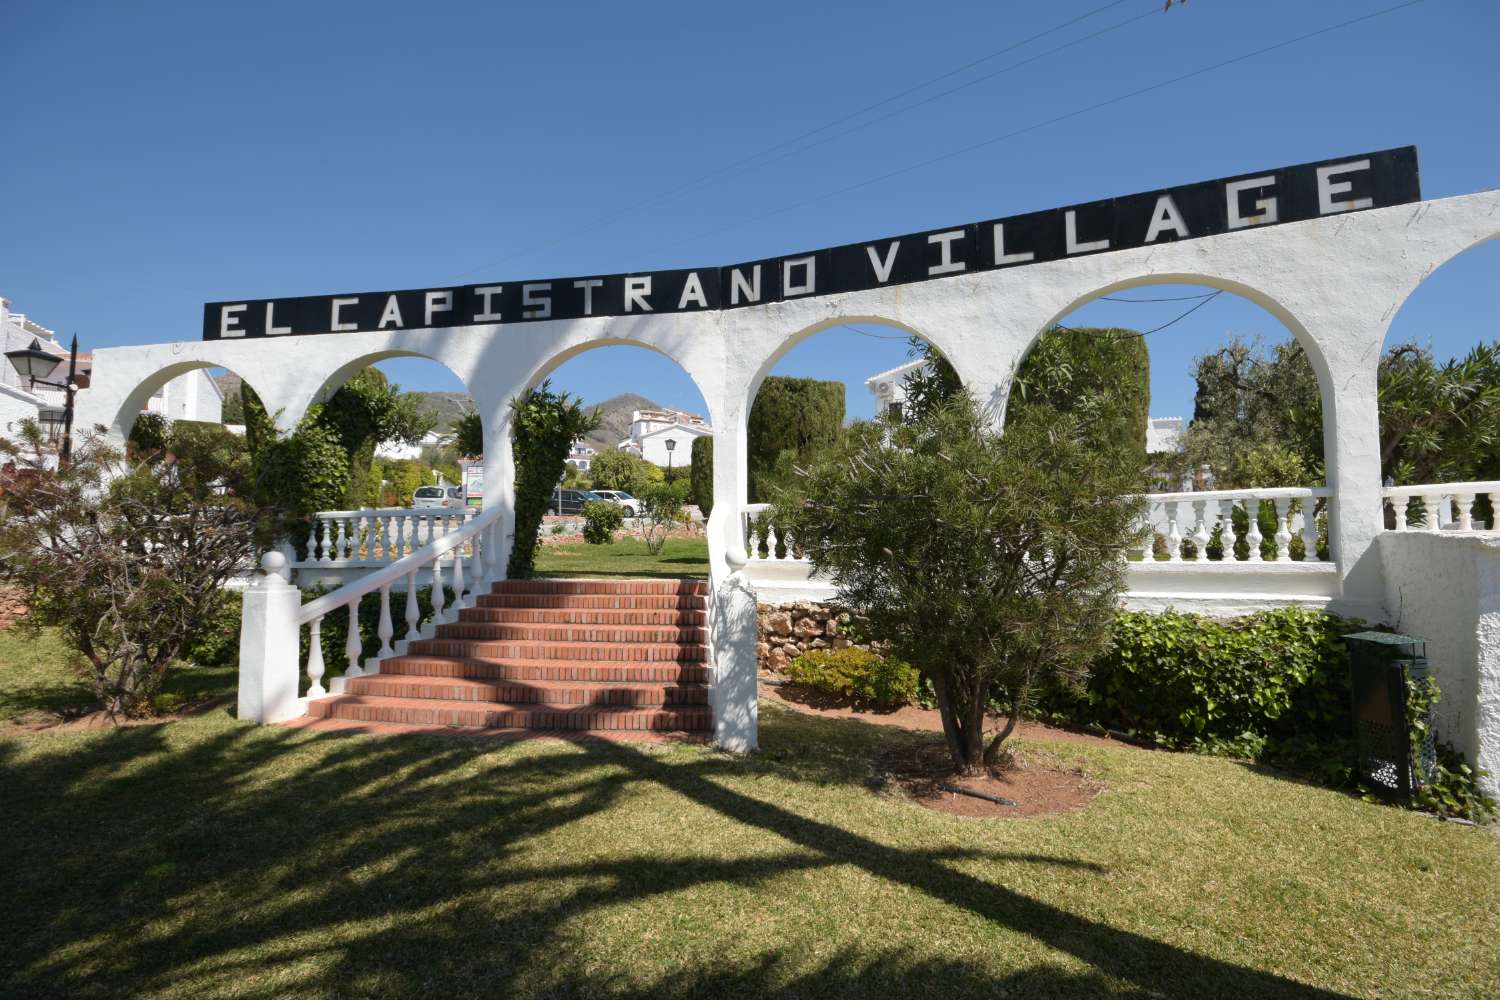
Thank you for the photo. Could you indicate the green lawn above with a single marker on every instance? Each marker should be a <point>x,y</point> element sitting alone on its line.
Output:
<point>209,858</point>
<point>626,557</point>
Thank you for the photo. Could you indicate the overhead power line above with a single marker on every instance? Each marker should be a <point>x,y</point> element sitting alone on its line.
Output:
<point>1055,119</point>
<point>745,161</point>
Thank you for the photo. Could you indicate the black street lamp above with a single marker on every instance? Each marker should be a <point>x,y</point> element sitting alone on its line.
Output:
<point>671,445</point>
<point>34,364</point>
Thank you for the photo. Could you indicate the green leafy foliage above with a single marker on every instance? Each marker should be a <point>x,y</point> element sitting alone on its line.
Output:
<point>468,435</point>
<point>864,677</point>
<point>661,511</point>
<point>991,562</point>
<point>543,426</point>
<point>127,555</point>
<point>1271,687</point>
<point>791,420</point>
<point>148,435</point>
<point>600,519</point>
<point>703,474</point>
<point>1101,376</point>
<point>617,469</point>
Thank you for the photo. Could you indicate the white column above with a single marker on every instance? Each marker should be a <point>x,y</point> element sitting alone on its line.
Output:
<point>268,646</point>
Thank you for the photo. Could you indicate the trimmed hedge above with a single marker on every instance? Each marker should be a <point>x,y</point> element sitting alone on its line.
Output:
<point>600,519</point>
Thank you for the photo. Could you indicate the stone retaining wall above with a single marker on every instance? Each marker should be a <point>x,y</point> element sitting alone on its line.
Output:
<point>788,630</point>
<point>12,607</point>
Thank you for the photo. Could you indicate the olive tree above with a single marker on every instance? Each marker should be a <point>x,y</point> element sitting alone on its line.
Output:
<point>992,562</point>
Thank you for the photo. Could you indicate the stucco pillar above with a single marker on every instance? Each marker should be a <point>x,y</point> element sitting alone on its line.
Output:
<point>269,645</point>
<point>500,489</point>
<point>734,605</point>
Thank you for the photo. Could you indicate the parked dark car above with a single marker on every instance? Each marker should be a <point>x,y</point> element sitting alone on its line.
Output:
<point>570,501</point>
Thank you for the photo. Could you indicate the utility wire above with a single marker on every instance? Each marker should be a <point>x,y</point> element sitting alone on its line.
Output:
<point>1109,102</point>
<point>1170,298</point>
<point>733,166</point>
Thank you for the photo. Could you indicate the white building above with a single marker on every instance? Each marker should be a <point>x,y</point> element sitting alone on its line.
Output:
<point>1163,434</point>
<point>194,396</point>
<point>397,451</point>
<point>652,430</point>
<point>581,457</point>
<point>889,388</point>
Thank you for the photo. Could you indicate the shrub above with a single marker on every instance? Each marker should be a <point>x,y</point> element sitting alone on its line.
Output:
<point>544,425</point>
<point>703,474</point>
<point>600,519</point>
<point>857,674</point>
<point>661,510</point>
<point>217,643</point>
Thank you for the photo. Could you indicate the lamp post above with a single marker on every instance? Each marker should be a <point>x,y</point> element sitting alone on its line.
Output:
<point>671,446</point>
<point>34,364</point>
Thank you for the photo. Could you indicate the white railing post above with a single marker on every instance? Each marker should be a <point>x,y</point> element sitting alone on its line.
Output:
<point>353,644</point>
<point>1174,536</point>
<point>1200,529</point>
<point>1283,532</point>
<point>327,532</point>
<point>341,542</point>
<point>400,542</point>
<point>386,629</point>
<point>315,688</point>
<point>268,645</point>
<point>1465,503</point>
<point>1309,530</point>
<point>413,610</point>
<point>1253,537</point>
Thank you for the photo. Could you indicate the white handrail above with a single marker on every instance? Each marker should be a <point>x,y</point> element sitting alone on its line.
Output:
<point>1485,486</point>
<point>1445,506</point>
<point>403,567</point>
<point>1259,493</point>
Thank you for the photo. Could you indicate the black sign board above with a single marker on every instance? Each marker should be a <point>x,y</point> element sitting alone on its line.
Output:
<point>1249,201</point>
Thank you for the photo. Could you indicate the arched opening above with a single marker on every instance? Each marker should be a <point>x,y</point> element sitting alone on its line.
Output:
<point>1439,398</point>
<point>805,394</point>
<point>1221,392</point>
<point>646,454</point>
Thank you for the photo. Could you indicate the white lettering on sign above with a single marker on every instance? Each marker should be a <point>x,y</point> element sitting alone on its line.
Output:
<point>1328,187</point>
<point>738,285</point>
<point>390,314</point>
<point>437,302</point>
<point>487,312</point>
<point>946,264</point>
<point>334,322</point>
<point>692,291</point>
<point>1266,207</point>
<point>882,268</point>
<point>1070,235</point>
<point>536,300</point>
<point>1001,257</point>
<point>636,290</point>
<point>272,330</point>
<point>588,285</point>
<point>229,320</point>
<point>809,282</point>
<point>1165,216</point>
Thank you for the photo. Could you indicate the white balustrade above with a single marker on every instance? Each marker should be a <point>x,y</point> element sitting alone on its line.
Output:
<point>755,524</point>
<point>468,530</point>
<point>1211,526</point>
<point>1444,506</point>
<point>374,537</point>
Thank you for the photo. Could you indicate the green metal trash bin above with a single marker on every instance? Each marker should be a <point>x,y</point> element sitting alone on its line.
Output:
<point>1380,664</point>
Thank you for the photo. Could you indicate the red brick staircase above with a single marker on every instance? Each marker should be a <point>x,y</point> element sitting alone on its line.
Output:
<point>600,656</point>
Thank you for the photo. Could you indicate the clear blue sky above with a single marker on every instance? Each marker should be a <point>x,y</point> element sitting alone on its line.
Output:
<point>162,157</point>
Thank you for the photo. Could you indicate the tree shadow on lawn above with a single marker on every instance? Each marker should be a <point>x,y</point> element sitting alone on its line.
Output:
<point>376,866</point>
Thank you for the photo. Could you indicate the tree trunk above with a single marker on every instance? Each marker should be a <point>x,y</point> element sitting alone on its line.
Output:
<point>952,728</point>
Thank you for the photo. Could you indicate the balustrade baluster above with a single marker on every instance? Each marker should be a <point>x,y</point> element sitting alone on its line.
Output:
<point>1430,519</point>
<point>312,541</point>
<point>326,545</point>
<point>1253,537</point>
<point>1310,529</point>
<point>386,629</point>
<point>315,659</point>
<point>413,609</point>
<point>458,580</point>
<point>1403,513</point>
<point>400,537</point>
<point>353,645</point>
<point>437,594</point>
<point>382,533</point>
<point>1465,503</point>
<point>1148,534</point>
<point>771,543</point>
<point>1200,530</point>
<point>339,539</point>
<point>1283,529</point>
<point>1174,536</point>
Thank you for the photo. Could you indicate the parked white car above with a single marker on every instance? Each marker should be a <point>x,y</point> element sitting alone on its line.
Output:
<point>438,496</point>
<point>631,504</point>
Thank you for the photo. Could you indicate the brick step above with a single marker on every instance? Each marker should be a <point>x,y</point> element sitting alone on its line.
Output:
<point>584,616</point>
<point>353,727</point>
<point>520,649</point>
<point>501,715</point>
<point>529,692</point>
<point>522,631</point>
<point>599,671</point>
<point>622,587</point>
<point>621,602</point>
